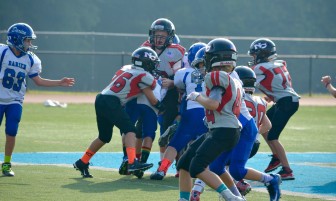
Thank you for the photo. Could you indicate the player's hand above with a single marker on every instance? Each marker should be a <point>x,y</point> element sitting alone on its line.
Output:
<point>193,95</point>
<point>167,83</point>
<point>326,80</point>
<point>267,99</point>
<point>67,82</point>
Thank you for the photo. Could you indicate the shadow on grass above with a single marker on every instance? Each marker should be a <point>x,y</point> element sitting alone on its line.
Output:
<point>325,189</point>
<point>117,182</point>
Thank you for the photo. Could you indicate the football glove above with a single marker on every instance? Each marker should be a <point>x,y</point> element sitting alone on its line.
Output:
<point>193,95</point>
<point>167,135</point>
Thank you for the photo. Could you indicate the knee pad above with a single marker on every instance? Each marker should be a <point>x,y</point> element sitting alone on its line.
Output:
<point>11,131</point>
<point>12,127</point>
<point>238,172</point>
<point>272,136</point>
<point>184,161</point>
<point>105,139</point>
<point>196,167</point>
<point>138,133</point>
<point>13,118</point>
<point>218,170</point>
<point>255,148</point>
<point>217,167</point>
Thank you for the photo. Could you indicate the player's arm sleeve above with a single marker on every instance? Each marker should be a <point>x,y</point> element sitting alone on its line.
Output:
<point>178,80</point>
<point>36,68</point>
<point>213,101</point>
<point>147,80</point>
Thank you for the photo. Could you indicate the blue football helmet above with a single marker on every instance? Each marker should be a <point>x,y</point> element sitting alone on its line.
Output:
<point>176,39</point>
<point>16,35</point>
<point>193,50</point>
<point>199,58</point>
<point>199,73</point>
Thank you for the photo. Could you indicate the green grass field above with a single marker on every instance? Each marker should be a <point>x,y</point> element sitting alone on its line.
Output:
<point>47,129</point>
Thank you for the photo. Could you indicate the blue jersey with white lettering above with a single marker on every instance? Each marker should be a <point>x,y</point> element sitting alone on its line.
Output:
<point>185,81</point>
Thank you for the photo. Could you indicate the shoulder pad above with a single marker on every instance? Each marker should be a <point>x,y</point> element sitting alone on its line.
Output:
<point>3,46</point>
<point>283,62</point>
<point>217,79</point>
<point>178,47</point>
<point>146,44</point>
<point>31,53</point>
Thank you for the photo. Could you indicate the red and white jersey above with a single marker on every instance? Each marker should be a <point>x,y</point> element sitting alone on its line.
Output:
<point>170,59</point>
<point>185,81</point>
<point>128,83</point>
<point>13,72</point>
<point>243,108</point>
<point>274,80</point>
<point>219,84</point>
<point>159,94</point>
<point>257,107</point>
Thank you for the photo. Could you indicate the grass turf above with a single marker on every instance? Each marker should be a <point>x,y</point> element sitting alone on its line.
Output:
<point>48,129</point>
<point>73,128</point>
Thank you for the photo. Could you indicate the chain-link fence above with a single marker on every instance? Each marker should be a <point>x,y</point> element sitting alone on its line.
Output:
<point>93,58</point>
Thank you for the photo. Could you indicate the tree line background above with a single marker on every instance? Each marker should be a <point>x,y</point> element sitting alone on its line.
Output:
<point>226,18</point>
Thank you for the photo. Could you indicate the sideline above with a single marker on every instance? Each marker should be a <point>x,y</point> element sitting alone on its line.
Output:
<point>315,172</point>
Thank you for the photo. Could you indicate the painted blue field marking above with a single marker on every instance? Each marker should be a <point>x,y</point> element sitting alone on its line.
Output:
<point>315,173</point>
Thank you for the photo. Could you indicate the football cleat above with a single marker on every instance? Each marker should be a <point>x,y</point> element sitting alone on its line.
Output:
<point>286,174</point>
<point>138,173</point>
<point>139,166</point>
<point>274,164</point>
<point>123,169</point>
<point>273,187</point>
<point>83,168</point>
<point>7,170</point>
<point>243,187</point>
<point>158,175</point>
<point>167,135</point>
<point>227,195</point>
<point>195,195</point>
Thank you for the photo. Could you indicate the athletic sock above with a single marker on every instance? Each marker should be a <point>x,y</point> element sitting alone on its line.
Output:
<point>130,154</point>
<point>125,152</point>
<point>184,195</point>
<point>199,185</point>
<point>165,164</point>
<point>7,159</point>
<point>265,178</point>
<point>221,188</point>
<point>234,190</point>
<point>145,151</point>
<point>87,156</point>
